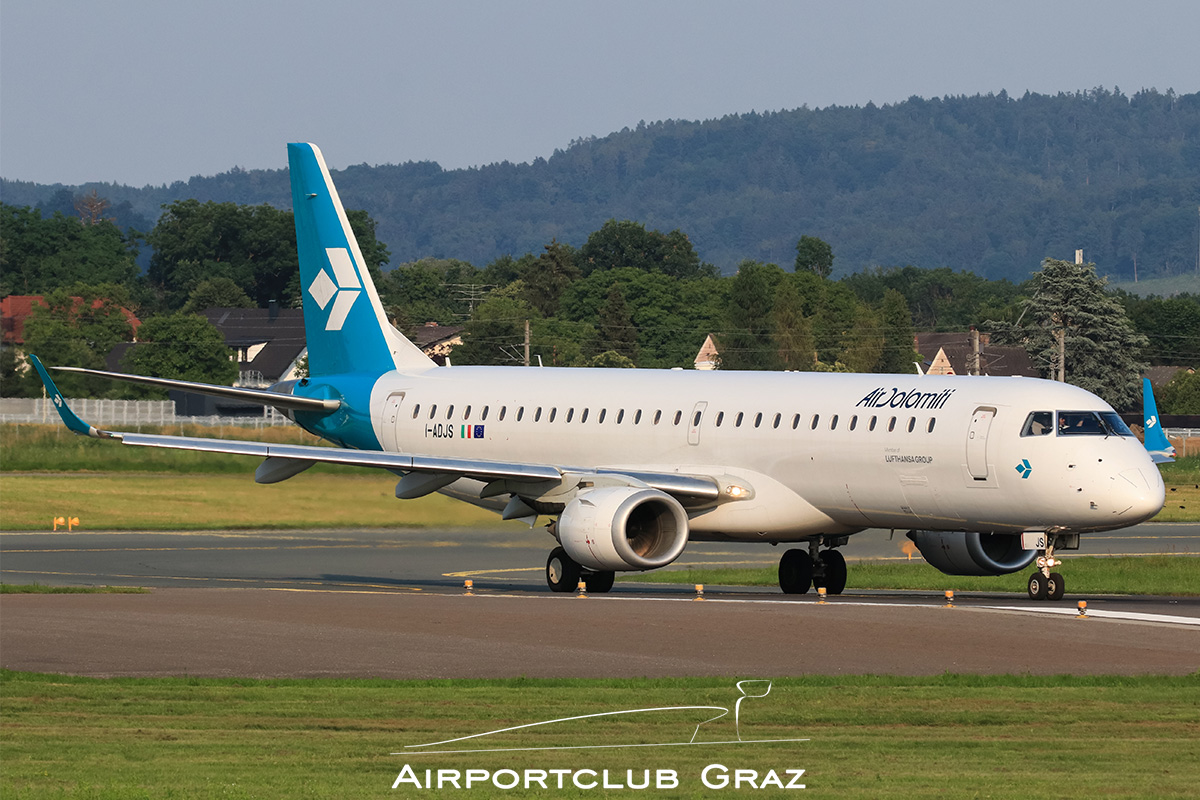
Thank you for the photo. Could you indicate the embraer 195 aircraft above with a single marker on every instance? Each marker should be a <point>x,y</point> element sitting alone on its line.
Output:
<point>985,474</point>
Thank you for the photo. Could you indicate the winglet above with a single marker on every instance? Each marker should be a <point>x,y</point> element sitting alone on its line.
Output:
<point>1157,444</point>
<point>69,417</point>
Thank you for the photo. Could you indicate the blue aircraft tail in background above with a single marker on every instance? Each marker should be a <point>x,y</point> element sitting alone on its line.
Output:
<point>1157,444</point>
<point>344,322</point>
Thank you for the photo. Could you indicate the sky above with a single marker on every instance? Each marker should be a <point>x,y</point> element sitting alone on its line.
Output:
<point>149,92</point>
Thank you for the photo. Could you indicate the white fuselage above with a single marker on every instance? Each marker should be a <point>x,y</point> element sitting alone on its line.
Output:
<point>822,453</point>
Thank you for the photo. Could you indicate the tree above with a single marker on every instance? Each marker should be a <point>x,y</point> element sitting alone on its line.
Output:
<point>814,255</point>
<point>615,328</point>
<point>78,327</point>
<point>184,347</point>
<point>548,277</point>
<point>496,332</point>
<point>254,246</point>
<point>40,255</point>
<point>1076,329</point>
<point>1181,395</point>
<point>898,354</point>
<point>216,293</point>
<point>747,342</point>
<point>629,244</point>
<point>792,330</point>
<point>611,359</point>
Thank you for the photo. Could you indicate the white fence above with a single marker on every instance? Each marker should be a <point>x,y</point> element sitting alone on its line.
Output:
<point>123,413</point>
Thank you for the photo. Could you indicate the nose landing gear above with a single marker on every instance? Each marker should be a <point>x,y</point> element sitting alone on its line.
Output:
<point>1044,584</point>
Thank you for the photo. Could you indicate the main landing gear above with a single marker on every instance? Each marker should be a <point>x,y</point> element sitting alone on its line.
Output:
<point>800,570</point>
<point>1044,584</point>
<point>563,574</point>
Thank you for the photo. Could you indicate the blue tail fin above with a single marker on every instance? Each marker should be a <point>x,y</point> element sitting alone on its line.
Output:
<point>1159,447</point>
<point>344,322</point>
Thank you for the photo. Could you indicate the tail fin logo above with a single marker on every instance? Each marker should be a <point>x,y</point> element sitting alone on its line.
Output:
<point>343,289</point>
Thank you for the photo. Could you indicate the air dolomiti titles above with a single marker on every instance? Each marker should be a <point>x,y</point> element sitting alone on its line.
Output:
<point>899,398</point>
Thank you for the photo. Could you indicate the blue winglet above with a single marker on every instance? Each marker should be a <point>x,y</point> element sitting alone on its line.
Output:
<point>68,416</point>
<point>1157,443</point>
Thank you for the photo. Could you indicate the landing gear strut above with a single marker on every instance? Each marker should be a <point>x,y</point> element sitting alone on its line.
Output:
<point>800,570</point>
<point>1044,584</point>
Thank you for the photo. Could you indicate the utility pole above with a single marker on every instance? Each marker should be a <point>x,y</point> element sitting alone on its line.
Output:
<point>973,368</point>
<point>527,343</point>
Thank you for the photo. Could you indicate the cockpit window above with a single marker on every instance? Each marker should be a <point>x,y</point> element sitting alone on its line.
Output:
<point>1091,423</point>
<point>1038,423</point>
<point>1115,424</point>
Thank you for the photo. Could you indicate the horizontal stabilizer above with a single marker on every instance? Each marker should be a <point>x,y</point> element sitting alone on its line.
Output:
<point>261,396</point>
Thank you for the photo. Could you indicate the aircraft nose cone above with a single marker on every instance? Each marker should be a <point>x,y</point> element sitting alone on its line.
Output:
<point>1141,493</point>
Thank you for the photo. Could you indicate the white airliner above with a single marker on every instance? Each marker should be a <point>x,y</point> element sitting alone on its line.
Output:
<point>636,463</point>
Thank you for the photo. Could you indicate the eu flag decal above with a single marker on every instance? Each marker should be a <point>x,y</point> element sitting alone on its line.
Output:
<point>472,432</point>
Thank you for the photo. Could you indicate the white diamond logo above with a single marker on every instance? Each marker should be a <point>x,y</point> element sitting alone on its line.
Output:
<point>343,293</point>
<point>322,289</point>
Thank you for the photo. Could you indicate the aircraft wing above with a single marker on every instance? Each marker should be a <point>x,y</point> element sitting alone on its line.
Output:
<point>282,461</point>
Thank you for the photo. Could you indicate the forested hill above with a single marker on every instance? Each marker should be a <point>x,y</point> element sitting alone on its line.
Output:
<point>986,183</point>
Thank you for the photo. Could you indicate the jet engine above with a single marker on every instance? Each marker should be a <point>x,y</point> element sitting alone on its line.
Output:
<point>623,528</point>
<point>969,553</point>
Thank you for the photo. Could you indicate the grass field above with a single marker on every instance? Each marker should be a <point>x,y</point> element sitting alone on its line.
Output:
<point>1156,575</point>
<point>871,737</point>
<point>157,501</point>
<point>40,588</point>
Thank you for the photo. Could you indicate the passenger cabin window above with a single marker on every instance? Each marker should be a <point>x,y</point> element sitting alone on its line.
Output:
<point>678,417</point>
<point>583,416</point>
<point>537,415</point>
<point>432,410</point>
<point>833,423</point>
<point>620,416</point>
<point>816,421</point>
<point>520,413</point>
<point>570,414</point>
<point>737,423</point>
<point>416,410</point>
<point>795,422</point>
<point>467,413</point>
<point>778,418</point>
<point>553,414</point>
<point>657,416</point>
<point>854,422</point>
<point>1038,423</point>
<point>912,423</point>
<point>450,412</point>
<point>503,411</point>
<point>600,418</point>
<point>758,419</point>
<point>871,425</point>
<point>637,418</point>
<point>696,419</point>
<point>891,424</point>
<point>932,421</point>
<point>483,414</point>
<point>720,418</point>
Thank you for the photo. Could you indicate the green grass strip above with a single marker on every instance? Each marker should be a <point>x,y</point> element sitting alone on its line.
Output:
<point>39,588</point>
<point>870,736</point>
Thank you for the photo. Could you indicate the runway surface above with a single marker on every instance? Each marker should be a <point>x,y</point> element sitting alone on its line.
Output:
<point>391,604</point>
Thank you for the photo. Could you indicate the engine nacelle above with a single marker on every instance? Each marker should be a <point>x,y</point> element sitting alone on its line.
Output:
<point>969,553</point>
<point>623,528</point>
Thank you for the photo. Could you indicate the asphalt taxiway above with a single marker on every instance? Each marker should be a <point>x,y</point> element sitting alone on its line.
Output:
<point>391,603</point>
